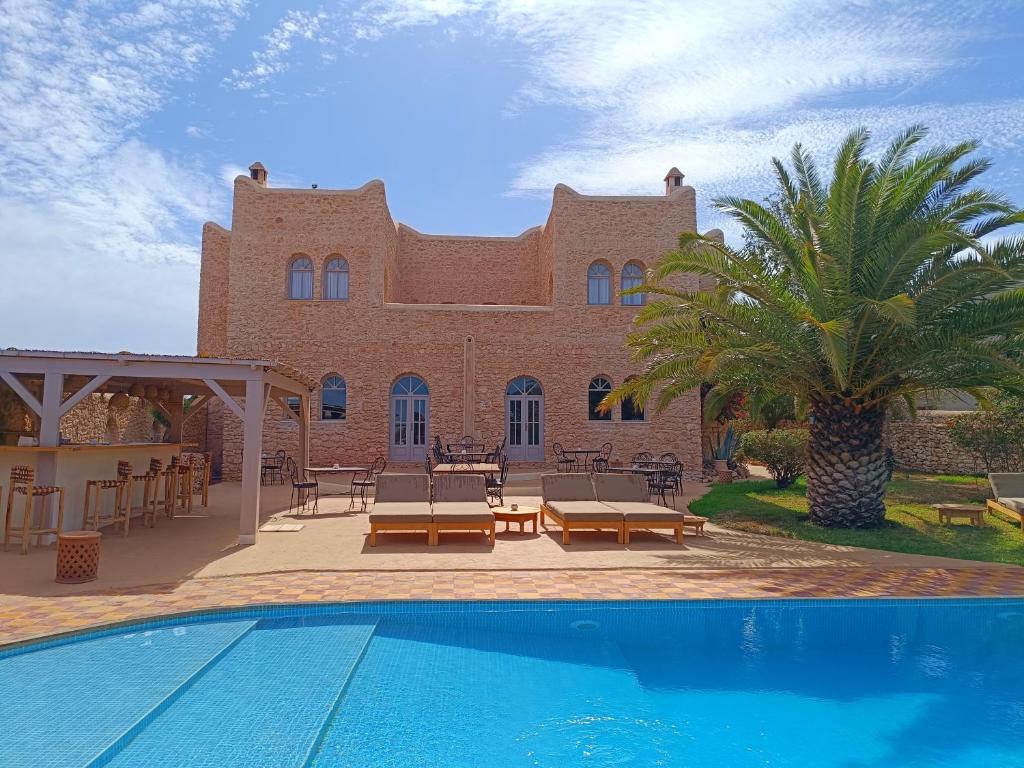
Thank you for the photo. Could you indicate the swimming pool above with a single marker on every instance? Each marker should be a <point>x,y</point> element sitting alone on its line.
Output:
<point>734,683</point>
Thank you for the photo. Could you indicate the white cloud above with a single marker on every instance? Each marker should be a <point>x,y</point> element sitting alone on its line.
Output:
<point>101,230</point>
<point>272,60</point>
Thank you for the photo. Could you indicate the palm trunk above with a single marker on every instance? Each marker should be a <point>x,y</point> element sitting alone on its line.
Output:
<point>846,474</point>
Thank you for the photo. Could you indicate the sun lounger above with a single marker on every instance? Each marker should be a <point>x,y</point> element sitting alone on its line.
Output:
<point>402,503</point>
<point>570,500</point>
<point>460,504</point>
<point>1008,489</point>
<point>629,495</point>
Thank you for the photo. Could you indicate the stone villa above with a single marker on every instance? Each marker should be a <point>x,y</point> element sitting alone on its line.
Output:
<point>413,335</point>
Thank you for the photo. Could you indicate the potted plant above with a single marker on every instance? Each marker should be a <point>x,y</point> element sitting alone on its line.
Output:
<point>723,446</point>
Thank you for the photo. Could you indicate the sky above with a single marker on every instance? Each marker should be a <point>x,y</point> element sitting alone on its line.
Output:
<point>122,125</point>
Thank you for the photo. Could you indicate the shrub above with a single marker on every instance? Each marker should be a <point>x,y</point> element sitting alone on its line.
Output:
<point>782,451</point>
<point>995,435</point>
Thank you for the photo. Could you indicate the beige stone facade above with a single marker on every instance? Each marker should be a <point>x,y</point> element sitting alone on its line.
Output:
<point>466,315</point>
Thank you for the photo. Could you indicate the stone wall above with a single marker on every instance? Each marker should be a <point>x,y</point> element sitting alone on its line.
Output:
<point>88,421</point>
<point>924,444</point>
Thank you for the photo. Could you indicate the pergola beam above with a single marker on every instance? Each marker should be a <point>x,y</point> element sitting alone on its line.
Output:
<point>228,400</point>
<point>14,383</point>
<point>84,392</point>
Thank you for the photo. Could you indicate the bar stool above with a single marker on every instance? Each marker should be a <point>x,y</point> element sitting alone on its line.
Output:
<point>166,503</point>
<point>150,485</point>
<point>121,510</point>
<point>207,474</point>
<point>183,483</point>
<point>22,482</point>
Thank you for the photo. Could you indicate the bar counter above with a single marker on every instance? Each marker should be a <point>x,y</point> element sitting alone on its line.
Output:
<point>74,464</point>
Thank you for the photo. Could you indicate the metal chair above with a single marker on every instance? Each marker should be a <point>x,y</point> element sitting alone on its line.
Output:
<point>496,486</point>
<point>606,451</point>
<point>438,450</point>
<point>428,465</point>
<point>22,478</point>
<point>665,481</point>
<point>499,450</point>
<point>368,481</point>
<point>600,465</point>
<point>641,458</point>
<point>670,458</point>
<point>271,468</point>
<point>562,462</point>
<point>301,486</point>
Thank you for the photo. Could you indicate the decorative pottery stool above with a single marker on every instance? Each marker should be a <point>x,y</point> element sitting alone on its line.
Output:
<point>78,556</point>
<point>22,478</point>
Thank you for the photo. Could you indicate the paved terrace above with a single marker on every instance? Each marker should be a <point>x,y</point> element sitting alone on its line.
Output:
<point>193,562</point>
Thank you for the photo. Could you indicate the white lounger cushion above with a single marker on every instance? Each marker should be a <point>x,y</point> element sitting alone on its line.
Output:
<point>1014,503</point>
<point>1007,485</point>
<point>399,487</point>
<point>619,487</point>
<point>641,511</point>
<point>460,487</point>
<point>583,510</point>
<point>401,512</point>
<point>462,512</point>
<point>567,486</point>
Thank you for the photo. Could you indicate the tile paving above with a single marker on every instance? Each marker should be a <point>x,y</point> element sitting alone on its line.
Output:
<point>24,617</point>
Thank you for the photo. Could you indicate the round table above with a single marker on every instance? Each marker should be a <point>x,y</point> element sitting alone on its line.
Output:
<point>522,515</point>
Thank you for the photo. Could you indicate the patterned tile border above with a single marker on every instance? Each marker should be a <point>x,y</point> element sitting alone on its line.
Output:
<point>27,618</point>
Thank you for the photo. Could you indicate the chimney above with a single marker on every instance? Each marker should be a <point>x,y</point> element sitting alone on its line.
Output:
<point>673,180</point>
<point>258,173</point>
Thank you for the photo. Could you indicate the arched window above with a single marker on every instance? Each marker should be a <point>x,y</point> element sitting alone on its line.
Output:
<point>631,410</point>
<point>336,279</point>
<point>632,277</point>
<point>410,385</point>
<point>524,385</point>
<point>599,387</point>
<point>333,398</point>
<point>300,278</point>
<point>599,284</point>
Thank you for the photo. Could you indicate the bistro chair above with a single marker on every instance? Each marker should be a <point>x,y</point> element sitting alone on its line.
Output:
<point>438,450</point>
<point>496,486</point>
<point>600,465</point>
<point>606,452</point>
<point>499,450</point>
<point>670,458</point>
<point>120,511</point>
<point>301,487</point>
<point>642,458</point>
<point>367,481</point>
<point>665,481</point>
<point>22,478</point>
<point>562,462</point>
<point>271,468</point>
<point>428,465</point>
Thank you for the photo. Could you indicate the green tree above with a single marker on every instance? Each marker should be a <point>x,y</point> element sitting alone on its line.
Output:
<point>881,284</point>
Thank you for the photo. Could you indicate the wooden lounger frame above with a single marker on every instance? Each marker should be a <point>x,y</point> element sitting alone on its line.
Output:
<point>1002,509</point>
<point>697,523</point>
<point>485,528</point>
<point>411,526</point>
<point>589,525</point>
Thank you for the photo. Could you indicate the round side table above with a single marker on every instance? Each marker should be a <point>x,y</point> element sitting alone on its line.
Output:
<point>521,516</point>
<point>78,556</point>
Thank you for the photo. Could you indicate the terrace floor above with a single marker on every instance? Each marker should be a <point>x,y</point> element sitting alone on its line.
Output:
<point>192,562</point>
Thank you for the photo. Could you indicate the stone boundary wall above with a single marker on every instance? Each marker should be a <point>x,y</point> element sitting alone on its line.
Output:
<point>924,444</point>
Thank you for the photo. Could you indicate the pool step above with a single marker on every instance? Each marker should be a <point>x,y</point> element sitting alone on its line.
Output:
<point>264,703</point>
<point>90,692</point>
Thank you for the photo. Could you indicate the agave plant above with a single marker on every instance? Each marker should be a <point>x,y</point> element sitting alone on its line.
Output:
<point>881,284</point>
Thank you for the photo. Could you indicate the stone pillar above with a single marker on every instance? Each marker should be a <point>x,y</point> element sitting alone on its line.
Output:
<point>252,449</point>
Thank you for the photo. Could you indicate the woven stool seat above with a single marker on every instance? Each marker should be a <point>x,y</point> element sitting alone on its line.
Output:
<point>38,490</point>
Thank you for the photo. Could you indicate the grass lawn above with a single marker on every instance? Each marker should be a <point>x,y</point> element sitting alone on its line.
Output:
<point>911,524</point>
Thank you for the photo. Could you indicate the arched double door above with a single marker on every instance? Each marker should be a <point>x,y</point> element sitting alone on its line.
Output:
<point>524,420</point>
<point>410,417</point>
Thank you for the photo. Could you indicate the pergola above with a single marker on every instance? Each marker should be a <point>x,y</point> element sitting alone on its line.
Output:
<point>52,383</point>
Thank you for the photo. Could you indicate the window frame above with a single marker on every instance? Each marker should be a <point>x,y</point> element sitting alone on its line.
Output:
<point>595,388</point>
<point>343,389</point>
<point>604,279</point>
<point>293,270</point>
<point>636,299</point>
<point>343,269</point>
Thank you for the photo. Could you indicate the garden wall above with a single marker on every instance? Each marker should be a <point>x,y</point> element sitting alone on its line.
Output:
<point>924,444</point>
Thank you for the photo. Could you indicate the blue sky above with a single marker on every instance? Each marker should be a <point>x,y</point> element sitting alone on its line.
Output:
<point>122,124</point>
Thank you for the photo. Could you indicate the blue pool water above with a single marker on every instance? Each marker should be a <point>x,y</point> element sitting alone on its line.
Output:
<point>830,684</point>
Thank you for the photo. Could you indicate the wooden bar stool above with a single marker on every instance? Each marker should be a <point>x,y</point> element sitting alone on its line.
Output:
<point>150,485</point>
<point>183,483</point>
<point>169,475</point>
<point>22,478</point>
<point>120,512</point>
<point>207,474</point>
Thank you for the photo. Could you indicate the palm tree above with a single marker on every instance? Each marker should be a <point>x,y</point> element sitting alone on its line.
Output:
<point>883,284</point>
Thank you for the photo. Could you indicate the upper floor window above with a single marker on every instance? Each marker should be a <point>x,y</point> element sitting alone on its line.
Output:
<point>333,398</point>
<point>599,284</point>
<point>632,277</point>
<point>336,279</point>
<point>599,387</point>
<point>631,410</point>
<point>300,278</point>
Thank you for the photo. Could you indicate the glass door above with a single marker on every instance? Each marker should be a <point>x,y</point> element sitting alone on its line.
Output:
<point>524,420</point>
<point>410,418</point>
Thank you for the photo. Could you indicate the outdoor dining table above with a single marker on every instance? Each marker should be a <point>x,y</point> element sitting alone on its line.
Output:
<point>315,471</point>
<point>586,453</point>
<point>467,468</point>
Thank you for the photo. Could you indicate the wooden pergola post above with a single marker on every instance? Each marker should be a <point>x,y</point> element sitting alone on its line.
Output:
<point>252,455</point>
